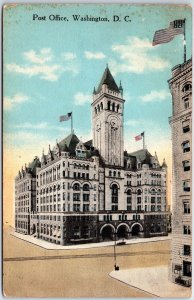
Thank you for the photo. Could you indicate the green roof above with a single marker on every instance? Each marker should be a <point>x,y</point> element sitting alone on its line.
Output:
<point>143,155</point>
<point>108,79</point>
<point>69,143</point>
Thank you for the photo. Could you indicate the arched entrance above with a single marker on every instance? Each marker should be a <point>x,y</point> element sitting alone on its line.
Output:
<point>122,231</point>
<point>135,230</point>
<point>107,233</point>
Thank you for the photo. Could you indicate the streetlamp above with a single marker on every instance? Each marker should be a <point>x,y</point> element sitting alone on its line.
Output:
<point>115,257</point>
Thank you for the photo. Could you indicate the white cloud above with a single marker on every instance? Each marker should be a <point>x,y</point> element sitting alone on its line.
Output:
<point>17,99</point>
<point>94,55</point>
<point>81,98</point>
<point>46,72</point>
<point>136,56</point>
<point>40,126</point>
<point>155,96</point>
<point>132,122</point>
<point>27,125</point>
<point>43,56</point>
<point>68,56</point>
<point>42,64</point>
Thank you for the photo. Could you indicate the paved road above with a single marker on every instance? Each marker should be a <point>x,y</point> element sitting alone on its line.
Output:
<point>31,271</point>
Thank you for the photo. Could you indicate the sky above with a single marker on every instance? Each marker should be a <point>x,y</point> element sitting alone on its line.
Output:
<point>50,68</point>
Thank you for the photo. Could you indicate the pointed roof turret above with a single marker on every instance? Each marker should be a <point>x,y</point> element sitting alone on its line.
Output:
<point>164,165</point>
<point>108,79</point>
<point>121,88</point>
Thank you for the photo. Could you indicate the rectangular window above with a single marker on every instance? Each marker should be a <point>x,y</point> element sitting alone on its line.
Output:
<point>186,165</point>
<point>129,207</point>
<point>139,207</point>
<point>186,146</point>
<point>129,199</point>
<point>186,207</point>
<point>186,186</point>
<point>74,174</point>
<point>152,207</point>
<point>114,207</point>
<point>186,126</point>
<point>186,229</point>
<point>85,207</point>
<point>186,103</point>
<point>86,197</point>
<point>186,250</point>
<point>76,196</point>
<point>76,207</point>
<point>152,199</point>
<point>138,199</point>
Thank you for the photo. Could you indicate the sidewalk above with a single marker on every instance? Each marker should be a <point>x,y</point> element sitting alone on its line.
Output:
<point>153,281</point>
<point>51,246</point>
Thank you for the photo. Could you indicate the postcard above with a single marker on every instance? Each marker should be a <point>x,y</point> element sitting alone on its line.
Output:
<point>97,104</point>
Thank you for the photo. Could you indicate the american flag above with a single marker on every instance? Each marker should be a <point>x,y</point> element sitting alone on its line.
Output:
<point>166,35</point>
<point>65,117</point>
<point>139,137</point>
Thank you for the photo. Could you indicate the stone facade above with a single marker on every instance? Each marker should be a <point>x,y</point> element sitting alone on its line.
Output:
<point>94,191</point>
<point>181,89</point>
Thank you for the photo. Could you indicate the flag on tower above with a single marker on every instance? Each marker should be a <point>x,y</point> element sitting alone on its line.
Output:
<point>65,117</point>
<point>166,35</point>
<point>139,137</point>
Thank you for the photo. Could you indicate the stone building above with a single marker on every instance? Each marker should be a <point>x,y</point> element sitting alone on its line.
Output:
<point>181,89</point>
<point>94,191</point>
<point>25,196</point>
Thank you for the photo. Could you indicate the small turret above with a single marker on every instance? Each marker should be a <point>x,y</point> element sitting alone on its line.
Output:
<point>164,165</point>
<point>121,88</point>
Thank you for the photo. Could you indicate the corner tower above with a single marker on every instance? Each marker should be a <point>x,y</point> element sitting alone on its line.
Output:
<point>107,119</point>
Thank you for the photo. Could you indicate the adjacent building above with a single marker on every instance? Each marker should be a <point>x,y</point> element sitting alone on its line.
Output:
<point>94,191</point>
<point>181,89</point>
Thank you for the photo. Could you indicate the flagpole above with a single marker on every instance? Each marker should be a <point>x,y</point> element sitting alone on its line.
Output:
<point>185,58</point>
<point>143,140</point>
<point>72,122</point>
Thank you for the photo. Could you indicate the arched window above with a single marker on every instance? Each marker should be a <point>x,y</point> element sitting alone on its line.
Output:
<point>108,105</point>
<point>101,105</point>
<point>76,187</point>
<point>187,87</point>
<point>110,173</point>
<point>114,195</point>
<point>117,107</point>
<point>113,106</point>
<point>153,192</point>
<point>98,107</point>
<point>138,192</point>
<point>86,187</point>
<point>114,173</point>
<point>119,174</point>
<point>95,110</point>
<point>128,192</point>
<point>129,200</point>
<point>86,192</point>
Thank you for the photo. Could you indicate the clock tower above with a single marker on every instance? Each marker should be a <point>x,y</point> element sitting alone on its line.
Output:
<point>107,120</point>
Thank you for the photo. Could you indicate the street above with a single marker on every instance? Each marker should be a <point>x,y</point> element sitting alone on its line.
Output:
<point>31,271</point>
